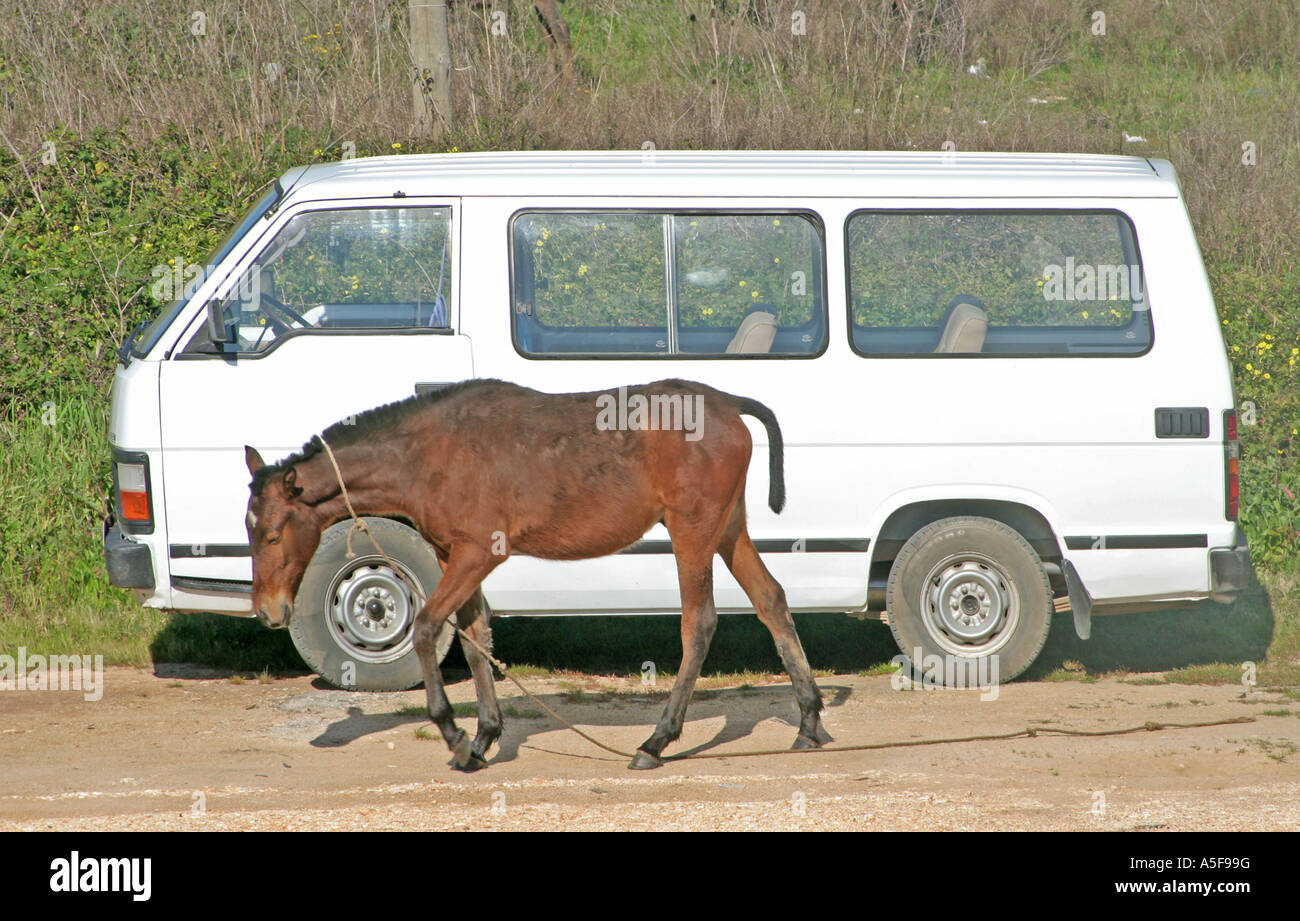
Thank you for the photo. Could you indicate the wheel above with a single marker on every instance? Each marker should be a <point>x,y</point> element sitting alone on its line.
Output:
<point>353,617</point>
<point>970,588</point>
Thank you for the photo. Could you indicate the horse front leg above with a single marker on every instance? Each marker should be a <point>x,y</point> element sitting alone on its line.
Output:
<point>474,618</point>
<point>462,573</point>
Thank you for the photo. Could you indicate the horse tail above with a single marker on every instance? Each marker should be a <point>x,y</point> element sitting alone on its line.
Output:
<point>775,449</point>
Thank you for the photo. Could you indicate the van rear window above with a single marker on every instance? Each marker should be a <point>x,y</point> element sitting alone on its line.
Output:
<point>995,283</point>
<point>633,283</point>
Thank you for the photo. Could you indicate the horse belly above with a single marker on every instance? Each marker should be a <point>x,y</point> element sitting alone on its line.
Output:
<point>590,524</point>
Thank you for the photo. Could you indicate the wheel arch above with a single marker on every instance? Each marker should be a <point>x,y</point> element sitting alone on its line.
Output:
<point>1029,516</point>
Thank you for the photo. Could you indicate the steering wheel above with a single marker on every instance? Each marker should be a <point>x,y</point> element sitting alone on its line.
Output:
<point>277,313</point>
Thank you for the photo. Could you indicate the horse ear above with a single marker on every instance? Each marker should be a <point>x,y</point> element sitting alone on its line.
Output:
<point>291,483</point>
<point>253,459</point>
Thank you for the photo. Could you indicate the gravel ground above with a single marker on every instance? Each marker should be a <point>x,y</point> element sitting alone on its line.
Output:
<point>184,750</point>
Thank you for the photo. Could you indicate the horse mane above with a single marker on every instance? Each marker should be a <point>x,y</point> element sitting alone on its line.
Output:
<point>364,426</point>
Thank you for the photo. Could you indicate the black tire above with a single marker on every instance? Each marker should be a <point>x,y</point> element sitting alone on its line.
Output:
<point>333,626</point>
<point>972,588</point>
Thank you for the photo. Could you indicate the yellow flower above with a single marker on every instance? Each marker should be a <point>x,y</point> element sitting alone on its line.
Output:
<point>76,227</point>
<point>1085,314</point>
<point>397,145</point>
<point>582,270</point>
<point>753,294</point>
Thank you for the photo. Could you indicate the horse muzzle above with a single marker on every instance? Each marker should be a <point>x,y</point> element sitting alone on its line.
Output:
<point>286,615</point>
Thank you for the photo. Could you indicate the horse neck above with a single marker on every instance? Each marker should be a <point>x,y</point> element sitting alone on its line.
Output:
<point>370,486</point>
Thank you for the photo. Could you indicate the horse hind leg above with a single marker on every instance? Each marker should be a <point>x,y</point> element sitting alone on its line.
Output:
<point>768,598</point>
<point>699,620</point>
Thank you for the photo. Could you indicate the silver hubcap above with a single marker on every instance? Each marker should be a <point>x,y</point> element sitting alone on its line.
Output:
<point>970,605</point>
<point>371,611</point>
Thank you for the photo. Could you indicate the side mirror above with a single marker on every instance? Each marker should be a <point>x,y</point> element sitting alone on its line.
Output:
<point>218,330</point>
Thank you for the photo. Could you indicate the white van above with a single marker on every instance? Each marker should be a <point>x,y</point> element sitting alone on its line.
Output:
<point>1000,379</point>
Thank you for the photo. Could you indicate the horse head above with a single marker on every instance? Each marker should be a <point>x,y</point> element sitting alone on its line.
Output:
<point>283,532</point>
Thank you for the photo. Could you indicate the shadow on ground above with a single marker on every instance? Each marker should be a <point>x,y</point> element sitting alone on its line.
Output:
<point>619,645</point>
<point>742,709</point>
<point>1163,640</point>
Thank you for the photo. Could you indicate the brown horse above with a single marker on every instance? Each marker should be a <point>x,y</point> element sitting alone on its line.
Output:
<point>486,468</point>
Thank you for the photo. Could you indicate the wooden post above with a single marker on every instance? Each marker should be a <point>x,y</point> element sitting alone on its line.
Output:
<point>431,65</point>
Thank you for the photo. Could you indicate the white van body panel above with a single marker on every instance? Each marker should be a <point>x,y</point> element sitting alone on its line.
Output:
<point>1070,437</point>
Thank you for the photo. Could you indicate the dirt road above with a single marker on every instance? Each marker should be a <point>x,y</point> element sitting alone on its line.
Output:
<point>182,749</point>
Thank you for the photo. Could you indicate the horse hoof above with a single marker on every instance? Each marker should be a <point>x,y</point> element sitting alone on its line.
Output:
<point>644,761</point>
<point>461,753</point>
<point>803,743</point>
<point>475,763</point>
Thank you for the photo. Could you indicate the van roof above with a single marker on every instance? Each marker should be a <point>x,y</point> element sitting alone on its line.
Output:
<point>740,174</point>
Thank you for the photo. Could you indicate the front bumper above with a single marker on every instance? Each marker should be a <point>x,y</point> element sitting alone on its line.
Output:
<point>1230,569</point>
<point>129,564</point>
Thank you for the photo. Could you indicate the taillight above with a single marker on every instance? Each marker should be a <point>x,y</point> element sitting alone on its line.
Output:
<point>131,477</point>
<point>1231,464</point>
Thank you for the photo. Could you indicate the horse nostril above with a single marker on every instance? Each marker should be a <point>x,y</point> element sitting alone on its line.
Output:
<point>286,612</point>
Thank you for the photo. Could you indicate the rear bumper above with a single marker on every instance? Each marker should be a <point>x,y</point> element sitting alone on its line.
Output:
<point>129,564</point>
<point>1230,569</point>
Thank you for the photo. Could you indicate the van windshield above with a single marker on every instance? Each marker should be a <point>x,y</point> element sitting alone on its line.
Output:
<point>153,332</point>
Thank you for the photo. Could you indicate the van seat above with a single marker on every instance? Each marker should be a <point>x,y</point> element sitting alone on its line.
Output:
<point>755,334</point>
<point>964,327</point>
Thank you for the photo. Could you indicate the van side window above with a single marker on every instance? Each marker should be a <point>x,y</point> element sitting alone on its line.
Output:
<point>990,283</point>
<point>648,283</point>
<point>357,268</point>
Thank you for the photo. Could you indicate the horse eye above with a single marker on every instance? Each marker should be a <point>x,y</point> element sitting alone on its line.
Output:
<point>273,538</point>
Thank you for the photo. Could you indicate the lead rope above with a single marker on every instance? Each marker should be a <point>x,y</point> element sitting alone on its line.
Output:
<point>1027,733</point>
